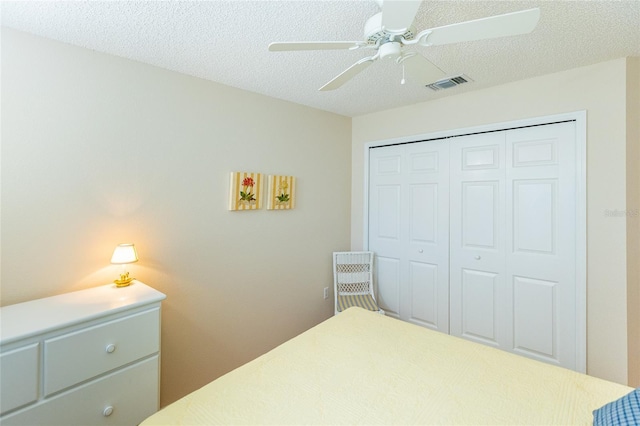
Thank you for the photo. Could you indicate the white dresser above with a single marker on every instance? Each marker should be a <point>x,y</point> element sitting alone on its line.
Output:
<point>90,357</point>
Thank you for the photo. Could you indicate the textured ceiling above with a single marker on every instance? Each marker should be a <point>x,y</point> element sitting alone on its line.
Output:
<point>226,41</point>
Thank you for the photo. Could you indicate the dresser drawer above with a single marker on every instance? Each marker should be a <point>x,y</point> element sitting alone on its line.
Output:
<point>126,397</point>
<point>18,377</point>
<point>79,356</point>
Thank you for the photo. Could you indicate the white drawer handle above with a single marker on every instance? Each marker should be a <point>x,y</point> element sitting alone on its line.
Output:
<point>107,411</point>
<point>110,349</point>
<point>420,251</point>
<point>478,258</point>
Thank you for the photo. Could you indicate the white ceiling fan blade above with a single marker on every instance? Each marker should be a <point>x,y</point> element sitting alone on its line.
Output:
<point>314,45</point>
<point>494,26</point>
<point>398,15</point>
<point>349,73</point>
<point>421,70</point>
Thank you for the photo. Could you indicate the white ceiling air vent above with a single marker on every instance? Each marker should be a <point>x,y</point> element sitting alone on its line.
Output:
<point>449,82</point>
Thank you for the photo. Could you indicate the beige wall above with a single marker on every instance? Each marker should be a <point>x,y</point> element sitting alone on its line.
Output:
<point>633,218</point>
<point>98,150</point>
<point>599,89</point>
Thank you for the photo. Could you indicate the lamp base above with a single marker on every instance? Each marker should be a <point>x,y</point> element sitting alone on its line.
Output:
<point>124,280</point>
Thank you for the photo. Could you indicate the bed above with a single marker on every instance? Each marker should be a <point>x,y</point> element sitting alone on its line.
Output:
<point>360,367</point>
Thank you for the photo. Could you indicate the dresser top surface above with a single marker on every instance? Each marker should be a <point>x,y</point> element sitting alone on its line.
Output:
<point>26,319</point>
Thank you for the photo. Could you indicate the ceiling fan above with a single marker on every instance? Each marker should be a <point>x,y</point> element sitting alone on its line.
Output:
<point>391,30</point>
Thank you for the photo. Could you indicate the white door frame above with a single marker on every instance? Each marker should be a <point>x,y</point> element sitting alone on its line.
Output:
<point>580,118</point>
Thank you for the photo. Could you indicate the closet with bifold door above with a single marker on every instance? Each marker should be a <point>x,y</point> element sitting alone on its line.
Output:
<point>476,236</point>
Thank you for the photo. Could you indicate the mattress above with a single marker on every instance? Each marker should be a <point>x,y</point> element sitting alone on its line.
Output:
<point>360,367</point>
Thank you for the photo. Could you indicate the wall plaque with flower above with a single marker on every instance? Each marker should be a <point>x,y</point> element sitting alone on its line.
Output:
<point>245,191</point>
<point>281,192</point>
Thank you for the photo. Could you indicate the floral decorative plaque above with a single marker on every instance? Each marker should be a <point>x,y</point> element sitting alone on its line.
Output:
<point>245,191</point>
<point>281,192</point>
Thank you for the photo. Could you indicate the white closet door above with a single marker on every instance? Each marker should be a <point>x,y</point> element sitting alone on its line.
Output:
<point>478,293</point>
<point>386,166</point>
<point>426,232</point>
<point>513,241</point>
<point>476,236</point>
<point>408,231</point>
<point>541,242</point>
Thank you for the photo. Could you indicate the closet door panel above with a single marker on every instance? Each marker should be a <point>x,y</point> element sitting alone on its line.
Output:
<point>535,328</point>
<point>423,235</point>
<point>535,206</point>
<point>387,274</point>
<point>423,213</point>
<point>388,204</point>
<point>480,306</point>
<point>426,301</point>
<point>385,216</point>
<point>477,253</point>
<point>423,286</point>
<point>479,210</point>
<point>541,237</point>
<point>408,231</point>
<point>385,209</point>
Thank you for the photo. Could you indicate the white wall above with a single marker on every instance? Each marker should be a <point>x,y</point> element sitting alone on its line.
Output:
<point>99,150</point>
<point>599,89</point>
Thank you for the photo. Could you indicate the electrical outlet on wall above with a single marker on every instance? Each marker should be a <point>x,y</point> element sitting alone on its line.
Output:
<point>326,292</point>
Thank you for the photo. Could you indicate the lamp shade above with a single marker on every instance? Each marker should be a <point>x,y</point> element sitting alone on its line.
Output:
<point>124,253</point>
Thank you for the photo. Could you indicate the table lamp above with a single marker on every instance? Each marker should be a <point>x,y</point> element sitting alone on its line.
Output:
<point>123,254</point>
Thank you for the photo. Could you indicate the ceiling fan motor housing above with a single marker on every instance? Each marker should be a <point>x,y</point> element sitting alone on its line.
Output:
<point>375,34</point>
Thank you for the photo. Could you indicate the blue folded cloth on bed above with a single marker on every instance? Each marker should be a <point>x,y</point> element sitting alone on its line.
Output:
<point>621,412</point>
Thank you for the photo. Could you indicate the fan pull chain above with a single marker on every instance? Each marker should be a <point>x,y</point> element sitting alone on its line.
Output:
<point>402,81</point>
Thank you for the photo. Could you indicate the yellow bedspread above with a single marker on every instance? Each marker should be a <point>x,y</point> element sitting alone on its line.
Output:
<point>360,367</point>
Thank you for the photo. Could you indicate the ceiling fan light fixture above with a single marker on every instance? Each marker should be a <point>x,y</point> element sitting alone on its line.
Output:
<point>390,50</point>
